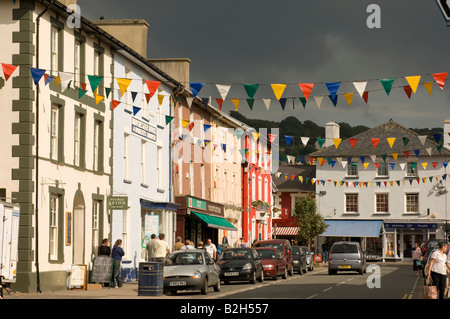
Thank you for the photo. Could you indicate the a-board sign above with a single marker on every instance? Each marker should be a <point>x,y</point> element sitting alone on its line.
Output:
<point>78,276</point>
<point>102,269</point>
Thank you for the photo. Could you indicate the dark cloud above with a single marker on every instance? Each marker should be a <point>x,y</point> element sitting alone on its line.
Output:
<point>283,41</point>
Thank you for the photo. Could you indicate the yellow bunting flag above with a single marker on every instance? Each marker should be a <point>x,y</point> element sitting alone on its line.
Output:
<point>395,155</point>
<point>428,86</point>
<point>123,84</point>
<point>236,103</point>
<point>349,98</point>
<point>98,98</point>
<point>278,89</point>
<point>185,123</point>
<point>337,141</point>
<point>160,99</point>
<point>320,159</point>
<point>413,82</point>
<point>365,165</point>
<point>255,136</point>
<point>58,80</point>
<point>391,141</point>
<point>424,165</point>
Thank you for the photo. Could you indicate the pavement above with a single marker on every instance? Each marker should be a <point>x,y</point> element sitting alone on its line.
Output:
<point>130,290</point>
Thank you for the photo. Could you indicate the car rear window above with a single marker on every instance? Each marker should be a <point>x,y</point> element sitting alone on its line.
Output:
<point>272,245</point>
<point>295,250</point>
<point>344,249</point>
<point>266,254</point>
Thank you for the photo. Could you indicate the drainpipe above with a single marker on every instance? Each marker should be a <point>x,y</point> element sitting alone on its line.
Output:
<point>36,215</point>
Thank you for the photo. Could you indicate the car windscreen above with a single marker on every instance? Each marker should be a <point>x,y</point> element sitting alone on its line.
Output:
<point>296,250</point>
<point>266,253</point>
<point>185,258</point>
<point>344,249</point>
<point>273,245</point>
<point>235,254</point>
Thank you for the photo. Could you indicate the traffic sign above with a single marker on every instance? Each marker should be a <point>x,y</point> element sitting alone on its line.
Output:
<point>444,5</point>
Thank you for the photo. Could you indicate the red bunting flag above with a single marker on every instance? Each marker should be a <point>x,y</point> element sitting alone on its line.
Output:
<point>219,102</point>
<point>353,142</point>
<point>375,142</point>
<point>440,79</point>
<point>152,86</point>
<point>8,69</point>
<point>306,89</point>
<point>366,96</point>
<point>408,90</point>
<point>191,126</point>
<point>272,137</point>
<point>115,103</point>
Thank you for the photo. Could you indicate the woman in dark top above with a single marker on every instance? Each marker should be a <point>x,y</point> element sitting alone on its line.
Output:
<point>104,249</point>
<point>117,254</point>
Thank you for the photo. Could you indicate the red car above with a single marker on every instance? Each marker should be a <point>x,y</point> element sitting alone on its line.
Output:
<point>274,263</point>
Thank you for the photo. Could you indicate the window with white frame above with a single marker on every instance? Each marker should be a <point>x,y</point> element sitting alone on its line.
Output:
<point>382,203</point>
<point>202,180</point>
<point>95,224</point>
<point>352,169</point>
<point>143,162</point>
<point>351,203</point>
<point>77,140</point>
<point>77,62</point>
<point>411,169</point>
<point>126,150</point>
<point>54,205</point>
<point>382,170</point>
<point>54,127</point>
<point>54,49</point>
<point>412,203</point>
<point>96,145</point>
<point>159,169</point>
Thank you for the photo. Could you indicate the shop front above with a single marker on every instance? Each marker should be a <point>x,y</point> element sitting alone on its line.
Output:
<point>369,233</point>
<point>199,220</point>
<point>400,238</point>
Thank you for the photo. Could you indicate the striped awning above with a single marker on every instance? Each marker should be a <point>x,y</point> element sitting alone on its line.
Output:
<point>286,231</point>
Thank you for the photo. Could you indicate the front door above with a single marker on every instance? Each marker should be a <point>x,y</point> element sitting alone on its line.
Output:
<point>408,245</point>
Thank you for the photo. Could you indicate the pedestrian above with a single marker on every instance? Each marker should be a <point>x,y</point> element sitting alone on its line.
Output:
<point>161,249</point>
<point>417,265</point>
<point>437,269</point>
<point>187,245</point>
<point>325,248</point>
<point>178,243</point>
<point>104,249</point>
<point>211,249</point>
<point>117,254</point>
<point>200,245</point>
<point>150,248</point>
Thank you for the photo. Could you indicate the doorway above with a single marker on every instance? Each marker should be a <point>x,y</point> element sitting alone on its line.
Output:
<point>78,229</point>
<point>408,245</point>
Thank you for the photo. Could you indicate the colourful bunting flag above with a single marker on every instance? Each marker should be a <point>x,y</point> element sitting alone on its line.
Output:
<point>219,103</point>
<point>333,99</point>
<point>360,87</point>
<point>352,142</point>
<point>8,70</point>
<point>375,142</point>
<point>37,74</point>
<point>283,103</point>
<point>349,98</point>
<point>94,81</point>
<point>250,103</point>
<point>413,82</point>
<point>152,87</point>
<point>160,99</point>
<point>288,139</point>
<point>196,87</point>
<point>366,96</point>
<point>440,79</point>
<point>306,89</point>
<point>115,103</point>
<point>333,88</point>
<point>391,141</point>
<point>387,85</point>
<point>278,90</point>
<point>236,103</point>
<point>407,90</point>
<point>337,141</point>
<point>223,90</point>
<point>251,90</point>
<point>428,86</point>
<point>169,119</point>
<point>136,110</point>
<point>123,84</point>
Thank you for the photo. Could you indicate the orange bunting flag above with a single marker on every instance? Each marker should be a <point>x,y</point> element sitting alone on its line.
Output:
<point>428,86</point>
<point>115,103</point>
<point>306,89</point>
<point>375,142</point>
<point>152,86</point>
<point>336,141</point>
<point>440,79</point>
<point>8,69</point>
<point>236,103</point>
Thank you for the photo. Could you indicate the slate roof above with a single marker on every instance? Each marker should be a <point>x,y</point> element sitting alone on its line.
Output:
<point>390,129</point>
<point>283,183</point>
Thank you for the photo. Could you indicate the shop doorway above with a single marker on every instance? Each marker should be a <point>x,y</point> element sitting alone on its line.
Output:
<point>408,244</point>
<point>78,229</point>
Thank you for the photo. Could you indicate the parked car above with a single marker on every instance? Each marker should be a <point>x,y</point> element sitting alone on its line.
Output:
<point>191,269</point>
<point>284,246</point>
<point>240,264</point>
<point>274,263</point>
<point>346,256</point>
<point>309,257</point>
<point>299,257</point>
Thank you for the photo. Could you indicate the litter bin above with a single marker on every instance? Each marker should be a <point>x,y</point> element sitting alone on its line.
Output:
<point>151,281</point>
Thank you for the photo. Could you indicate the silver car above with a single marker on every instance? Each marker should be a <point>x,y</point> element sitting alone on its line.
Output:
<point>191,269</point>
<point>346,256</point>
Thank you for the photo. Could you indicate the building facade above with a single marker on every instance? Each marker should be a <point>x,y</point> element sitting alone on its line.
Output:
<point>386,187</point>
<point>58,139</point>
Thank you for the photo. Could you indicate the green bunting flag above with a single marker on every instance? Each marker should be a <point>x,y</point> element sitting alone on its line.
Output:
<point>94,81</point>
<point>251,90</point>
<point>168,119</point>
<point>387,85</point>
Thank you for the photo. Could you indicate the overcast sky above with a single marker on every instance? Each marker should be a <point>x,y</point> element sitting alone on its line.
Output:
<point>264,41</point>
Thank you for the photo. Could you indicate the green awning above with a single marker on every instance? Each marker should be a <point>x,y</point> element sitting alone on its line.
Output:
<point>215,222</point>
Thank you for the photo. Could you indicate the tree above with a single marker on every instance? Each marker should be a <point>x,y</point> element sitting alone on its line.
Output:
<point>311,223</point>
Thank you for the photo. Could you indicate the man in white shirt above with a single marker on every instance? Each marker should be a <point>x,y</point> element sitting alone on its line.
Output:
<point>211,249</point>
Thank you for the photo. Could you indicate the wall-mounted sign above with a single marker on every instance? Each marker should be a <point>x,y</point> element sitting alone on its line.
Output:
<point>196,203</point>
<point>143,129</point>
<point>117,202</point>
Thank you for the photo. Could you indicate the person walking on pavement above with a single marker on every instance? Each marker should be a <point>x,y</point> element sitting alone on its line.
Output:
<point>325,248</point>
<point>104,249</point>
<point>416,258</point>
<point>161,249</point>
<point>437,269</point>
<point>117,254</point>
<point>211,249</point>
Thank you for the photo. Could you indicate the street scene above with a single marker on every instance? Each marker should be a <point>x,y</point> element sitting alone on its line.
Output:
<point>196,151</point>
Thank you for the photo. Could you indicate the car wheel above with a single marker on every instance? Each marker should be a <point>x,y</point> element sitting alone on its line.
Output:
<point>361,271</point>
<point>217,286</point>
<point>204,288</point>
<point>291,271</point>
<point>253,279</point>
<point>285,274</point>
<point>261,278</point>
